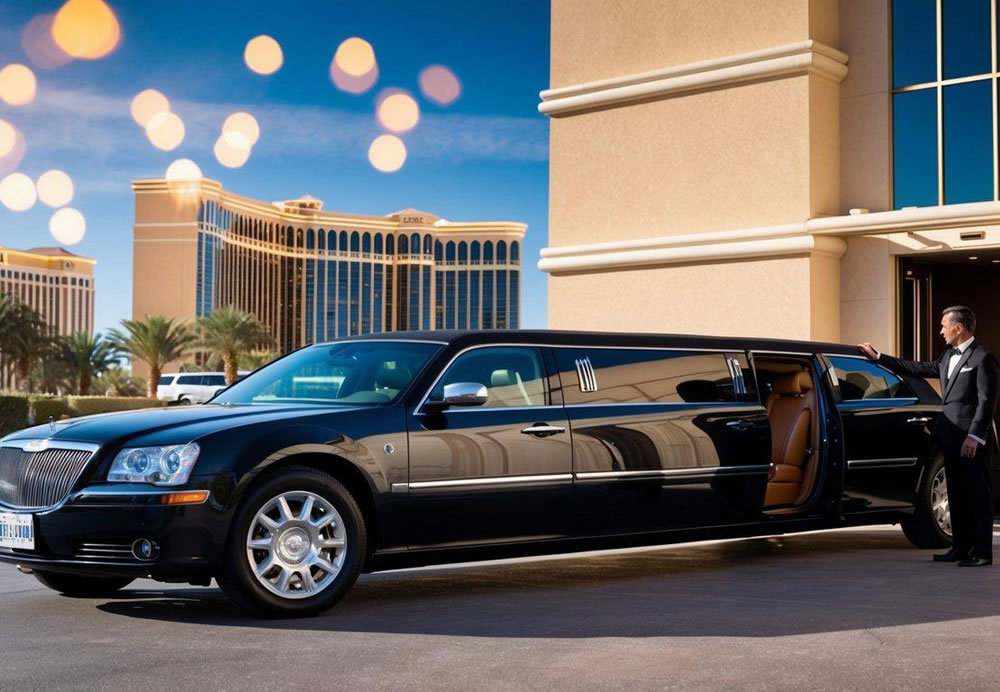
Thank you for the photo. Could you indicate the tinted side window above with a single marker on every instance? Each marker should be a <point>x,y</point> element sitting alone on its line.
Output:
<point>620,376</point>
<point>513,376</point>
<point>859,378</point>
<point>167,379</point>
<point>189,379</point>
<point>215,380</point>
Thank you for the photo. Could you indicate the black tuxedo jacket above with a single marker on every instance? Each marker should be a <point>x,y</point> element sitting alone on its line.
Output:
<point>969,397</point>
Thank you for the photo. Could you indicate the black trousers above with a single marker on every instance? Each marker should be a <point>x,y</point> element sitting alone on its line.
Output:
<point>970,500</point>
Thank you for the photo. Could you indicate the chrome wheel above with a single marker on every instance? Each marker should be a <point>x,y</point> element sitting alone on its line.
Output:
<point>296,544</point>
<point>939,501</point>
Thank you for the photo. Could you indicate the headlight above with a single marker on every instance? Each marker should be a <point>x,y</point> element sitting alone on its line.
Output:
<point>157,465</point>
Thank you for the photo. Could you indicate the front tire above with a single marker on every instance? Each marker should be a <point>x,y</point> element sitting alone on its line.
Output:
<point>930,525</point>
<point>296,546</point>
<point>82,587</point>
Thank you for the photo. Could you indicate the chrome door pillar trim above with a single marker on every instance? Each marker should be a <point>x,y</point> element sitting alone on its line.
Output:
<point>492,481</point>
<point>881,463</point>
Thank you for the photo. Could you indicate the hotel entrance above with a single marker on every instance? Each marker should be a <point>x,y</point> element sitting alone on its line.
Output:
<point>931,283</point>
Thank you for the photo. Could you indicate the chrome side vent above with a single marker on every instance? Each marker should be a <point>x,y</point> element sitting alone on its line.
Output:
<point>585,374</point>
<point>739,383</point>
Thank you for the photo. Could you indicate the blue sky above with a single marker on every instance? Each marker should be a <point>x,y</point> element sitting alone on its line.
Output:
<point>484,157</point>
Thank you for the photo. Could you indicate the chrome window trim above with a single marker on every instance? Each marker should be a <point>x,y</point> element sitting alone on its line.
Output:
<point>806,354</point>
<point>491,481</point>
<point>479,409</point>
<point>899,462</point>
<point>686,404</point>
<point>878,403</point>
<point>418,408</point>
<point>380,341</point>
<point>692,472</point>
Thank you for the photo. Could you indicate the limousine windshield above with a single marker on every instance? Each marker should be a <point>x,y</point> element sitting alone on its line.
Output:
<point>354,372</point>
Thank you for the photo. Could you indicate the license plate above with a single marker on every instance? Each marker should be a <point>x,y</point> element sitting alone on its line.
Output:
<point>17,531</point>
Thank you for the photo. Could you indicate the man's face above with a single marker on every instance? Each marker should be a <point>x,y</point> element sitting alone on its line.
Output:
<point>953,332</point>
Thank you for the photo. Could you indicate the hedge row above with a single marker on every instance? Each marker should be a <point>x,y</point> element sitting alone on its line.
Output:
<point>18,411</point>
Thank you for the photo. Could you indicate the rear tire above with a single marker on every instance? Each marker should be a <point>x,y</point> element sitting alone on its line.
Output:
<point>76,586</point>
<point>296,546</point>
<point>930,525</point>
<point>184,401</point>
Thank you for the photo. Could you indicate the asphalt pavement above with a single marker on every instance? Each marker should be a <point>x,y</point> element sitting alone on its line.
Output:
<point>844,610</point>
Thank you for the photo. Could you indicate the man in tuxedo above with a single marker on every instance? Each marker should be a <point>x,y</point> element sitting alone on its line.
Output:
<point>969,377</point>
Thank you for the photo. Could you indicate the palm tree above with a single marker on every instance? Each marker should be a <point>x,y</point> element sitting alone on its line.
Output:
<point>228,333</point>
<point>251,360</point>
<point>25,340</point>
<point>87,356</point>
<point>155,341</point>
<point>117,381</point>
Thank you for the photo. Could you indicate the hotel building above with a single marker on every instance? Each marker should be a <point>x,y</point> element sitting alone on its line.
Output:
<point>812,169</point>
<point>54,282</point>
<point>312,275</point>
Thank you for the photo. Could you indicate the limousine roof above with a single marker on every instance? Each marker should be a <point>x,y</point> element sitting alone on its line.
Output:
<point>468,337</point>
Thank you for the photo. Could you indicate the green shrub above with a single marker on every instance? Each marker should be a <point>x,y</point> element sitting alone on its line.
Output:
<point>13,412</point>
<point>88,405</point>
<point>41,408</point>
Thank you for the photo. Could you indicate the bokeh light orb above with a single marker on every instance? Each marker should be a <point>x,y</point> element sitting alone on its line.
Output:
<point>146,104</point>
<point>67,226</point>
<point>86,29</point>
<point>183,170</point>
<point>387,153</point>
<point>355,56</point>
<point>8,138</point>
<point>244,124</point>
<point>350,83</point>
<point>397,111</point>
<point>439,84</point>
<point>17,85</point>
<point>12,159</point>
<point>40,47</point>
<point>165,130</point>
<point>232,149</point>
<point>17,192</point>
<point>55,188</point>
<point>263,55</point>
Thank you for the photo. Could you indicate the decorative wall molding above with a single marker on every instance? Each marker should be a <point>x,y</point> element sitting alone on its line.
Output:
<point>802,57</point>
<point>823,235</point>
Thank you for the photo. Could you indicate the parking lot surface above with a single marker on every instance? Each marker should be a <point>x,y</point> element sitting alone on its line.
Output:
<point>850,609</point>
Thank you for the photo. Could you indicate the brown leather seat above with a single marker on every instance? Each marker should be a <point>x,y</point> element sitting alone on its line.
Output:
<point>790,411</point>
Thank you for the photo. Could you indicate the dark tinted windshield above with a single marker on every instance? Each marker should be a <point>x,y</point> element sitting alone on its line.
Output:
<point>350,373</point>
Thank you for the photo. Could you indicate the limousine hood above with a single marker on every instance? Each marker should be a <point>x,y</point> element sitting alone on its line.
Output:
<point>174,425</point>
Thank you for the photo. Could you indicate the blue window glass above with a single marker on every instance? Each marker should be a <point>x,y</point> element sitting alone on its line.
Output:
<point>355,242</point>
<point>321,239</point>
<point>425,321</point>
<point>475,251</point>
<point>515,251</point>
<point>404,245</point>
<point>390,245</point>
<point>438,251</point>
<point>488,252</point>
<point>331,301</point>
<point>377,303</point>
<point>502,299</point>
<point>968,142</point>
<point>355,301</point>
<point>414,292</point>
<point>310,306</point>
<point>515,297</point>
<point>449,301</point>
<point>342,307</point>
<point>366,242</point>
<point>914,145</point>
<point>487,311</point>
<point>366,298</point>
<point>199,291</point>
<point>449,252</point>
<point>914,42</point>
<point>439,298</point>
<point>378,244</point>
<point>965,38</point>
<point>343,241</point>
<point>428,244</point>
<point>463,299</point>
<point>389,271</point>
<point>201,212</point>
<point>463,252</point>
<point>415,243</point>
<point>310,239</point>
<point>331,241</point>
<point>321,298</point>
<point>474,300</point>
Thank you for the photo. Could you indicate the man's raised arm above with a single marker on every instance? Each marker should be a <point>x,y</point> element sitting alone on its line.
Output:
<point>916,368</point>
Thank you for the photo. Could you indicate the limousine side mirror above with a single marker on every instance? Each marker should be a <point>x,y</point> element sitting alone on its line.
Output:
<point>463,394</point>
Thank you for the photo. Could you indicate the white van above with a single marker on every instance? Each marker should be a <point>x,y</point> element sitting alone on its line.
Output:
<point>190,387</point>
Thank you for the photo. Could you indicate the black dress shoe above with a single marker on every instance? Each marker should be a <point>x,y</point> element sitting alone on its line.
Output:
<point>950,556</point>
<point>975,562</point>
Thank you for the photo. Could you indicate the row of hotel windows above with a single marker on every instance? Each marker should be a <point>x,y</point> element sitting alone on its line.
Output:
<point>42,278</point>
<point>48,300</point>
<point>944,103</point>
<point>365,242</point>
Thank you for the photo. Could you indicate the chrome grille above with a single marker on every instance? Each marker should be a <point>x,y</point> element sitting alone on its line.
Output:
<point>35,479</point>
<point>115,552</point>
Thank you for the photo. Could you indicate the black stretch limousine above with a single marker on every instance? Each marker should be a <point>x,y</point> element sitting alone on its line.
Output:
<point>426,447</point>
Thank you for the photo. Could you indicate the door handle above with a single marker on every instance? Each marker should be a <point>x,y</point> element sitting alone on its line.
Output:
<point>543,430</point>
<point>739,424</point>
<point>918,421</point>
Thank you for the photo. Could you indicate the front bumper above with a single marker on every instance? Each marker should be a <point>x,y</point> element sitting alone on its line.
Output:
<point>93,530</point>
